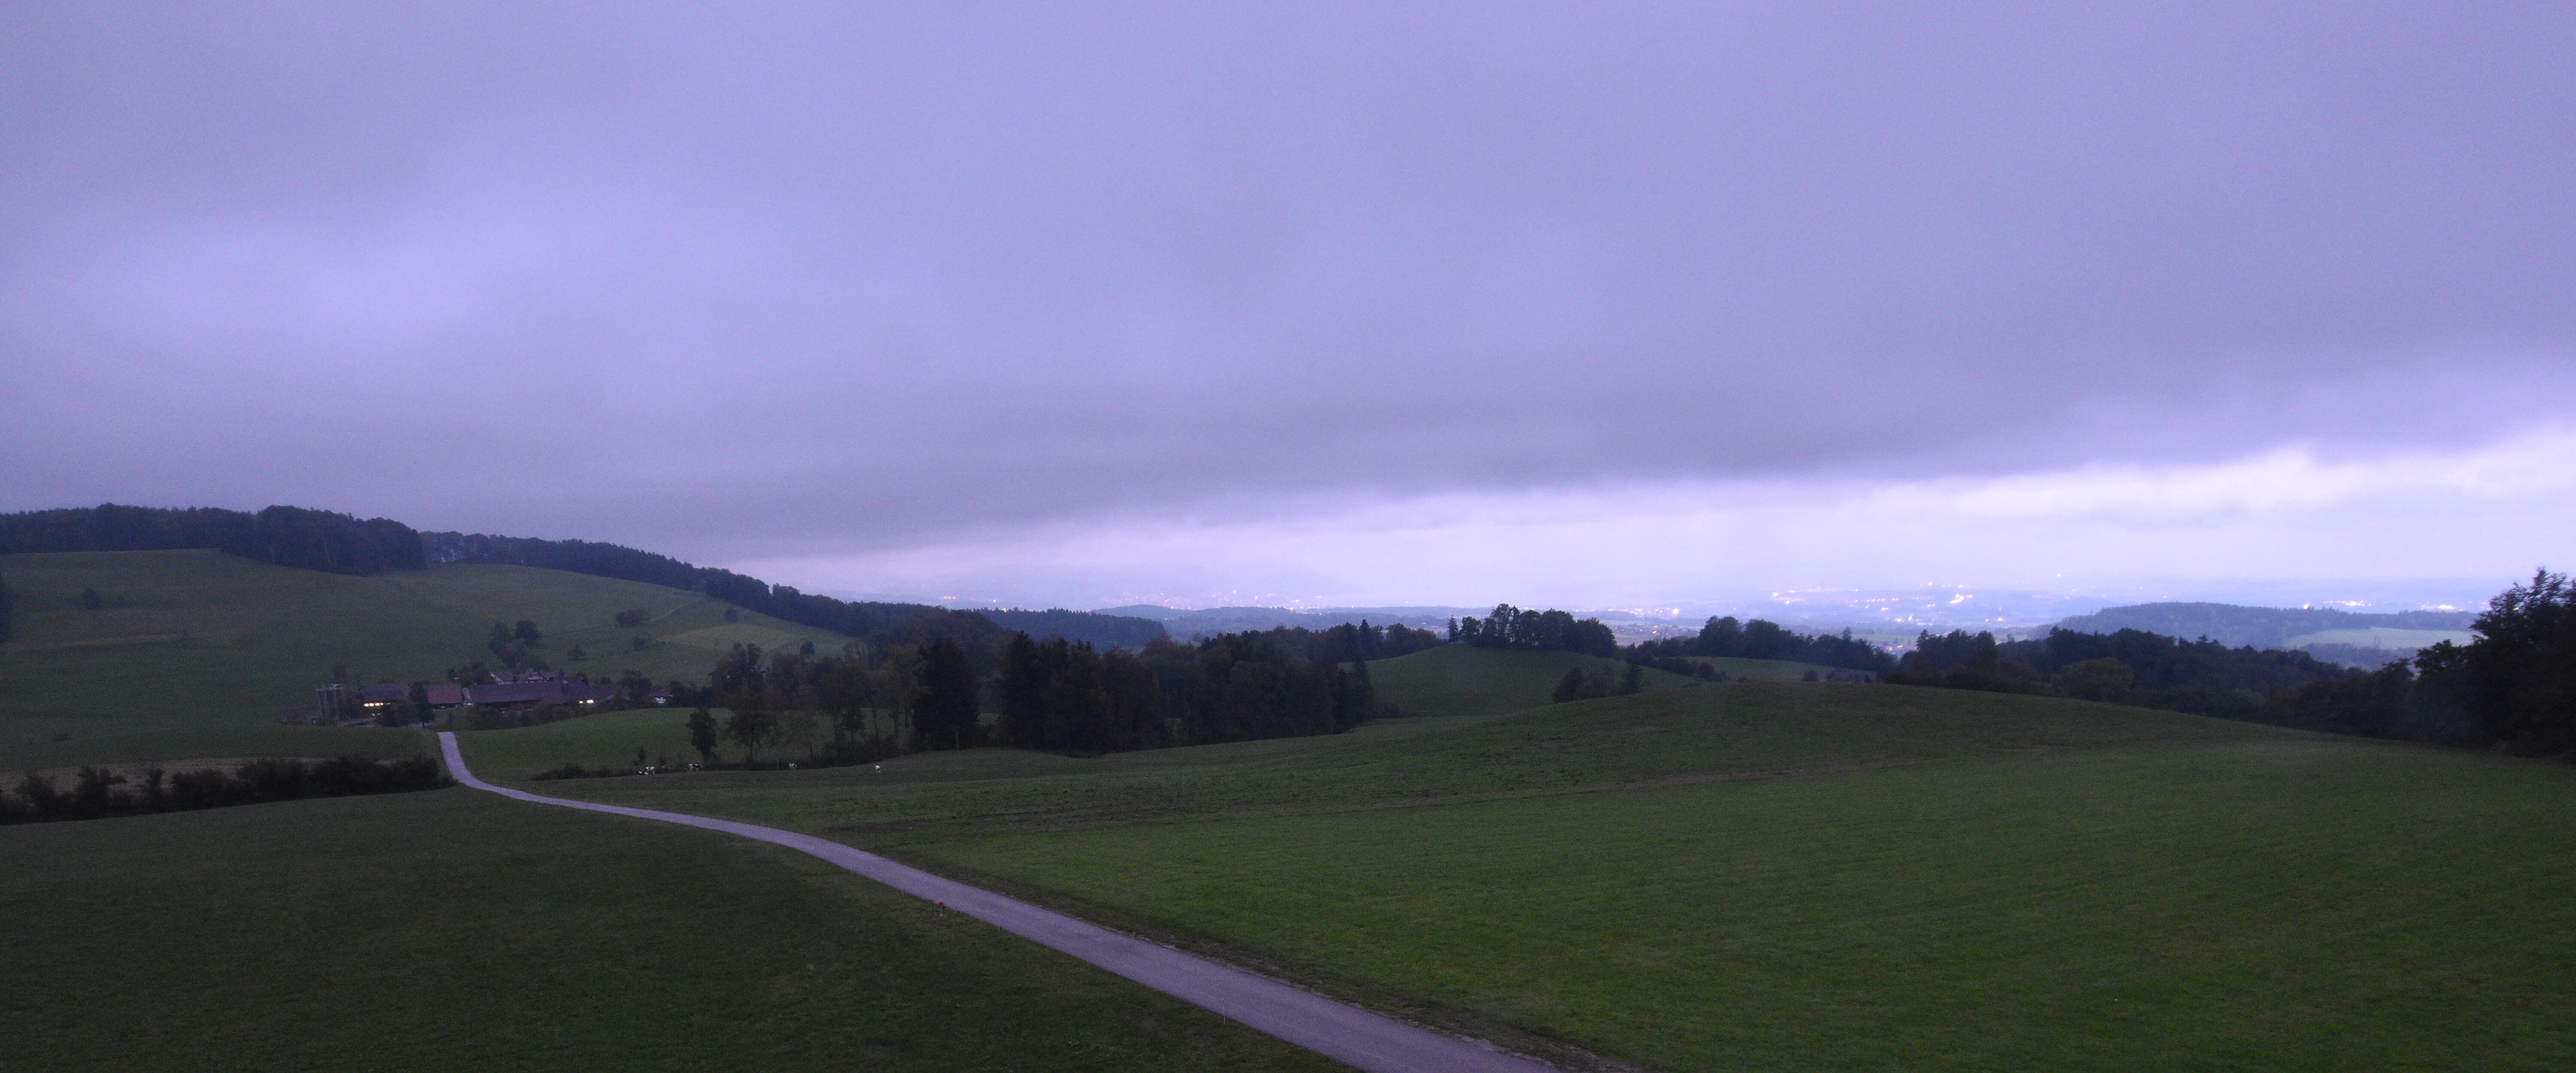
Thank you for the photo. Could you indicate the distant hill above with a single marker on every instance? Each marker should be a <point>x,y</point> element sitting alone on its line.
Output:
<point>2272,627</point>
<point>338,543</point>
<point>1192,624</point>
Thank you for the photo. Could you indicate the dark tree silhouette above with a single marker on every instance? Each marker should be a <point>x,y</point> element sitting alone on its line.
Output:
<point>945,715</point>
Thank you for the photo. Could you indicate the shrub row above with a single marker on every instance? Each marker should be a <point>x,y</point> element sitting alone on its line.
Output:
<point>96,792</point>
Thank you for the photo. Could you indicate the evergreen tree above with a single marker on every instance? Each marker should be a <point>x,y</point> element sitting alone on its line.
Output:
<point>945,715</point>
<point>1025,679</point>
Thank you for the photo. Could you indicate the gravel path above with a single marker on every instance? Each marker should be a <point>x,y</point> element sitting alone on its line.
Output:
<point>1334,1029</point>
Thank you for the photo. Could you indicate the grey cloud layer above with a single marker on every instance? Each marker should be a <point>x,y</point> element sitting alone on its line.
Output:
<point>820,275</point>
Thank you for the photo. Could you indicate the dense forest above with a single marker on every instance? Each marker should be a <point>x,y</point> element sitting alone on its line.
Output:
<point>286,536</point>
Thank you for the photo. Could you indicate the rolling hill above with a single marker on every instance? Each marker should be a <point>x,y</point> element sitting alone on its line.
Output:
<point>2270,627</point>
<point>200,640</point>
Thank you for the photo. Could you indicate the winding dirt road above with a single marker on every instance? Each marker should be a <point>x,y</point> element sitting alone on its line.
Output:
<point>1336,1030</point>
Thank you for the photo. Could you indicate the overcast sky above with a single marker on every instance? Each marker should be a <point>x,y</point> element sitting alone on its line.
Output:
<point>1384,303</point>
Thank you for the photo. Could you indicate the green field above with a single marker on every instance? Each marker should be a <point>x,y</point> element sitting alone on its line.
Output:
<point>189,641</point>
<point>1800,876</point>
<point>458,930</point>
<point>1690,732</point>
<point>2261,906</point>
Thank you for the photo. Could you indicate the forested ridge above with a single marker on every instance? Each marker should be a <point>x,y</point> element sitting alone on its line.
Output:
<point>2262,627</point>
<point>339,543</point>
<point>286,536</point>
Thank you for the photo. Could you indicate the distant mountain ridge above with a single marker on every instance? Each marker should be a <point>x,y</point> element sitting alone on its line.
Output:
<point>2260,627</point>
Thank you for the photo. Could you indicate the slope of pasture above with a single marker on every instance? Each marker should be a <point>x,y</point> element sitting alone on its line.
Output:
<point>2281,903</point>
<point>200,638</point>
<point>684,634</point>
<point>1763,670</point>
<point>193,641</point>
<point>1688,732</point>
<point>1453,680</point>
<point>457,930</point>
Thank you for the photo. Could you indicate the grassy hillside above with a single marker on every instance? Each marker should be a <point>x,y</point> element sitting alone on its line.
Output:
<point>458,930</point>
<point>1454,680</point>
<point>1800,876</point>
<point>192,640</point>
<point>1692,732</point>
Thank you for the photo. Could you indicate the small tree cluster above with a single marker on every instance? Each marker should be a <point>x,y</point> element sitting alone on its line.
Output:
<point>1580,684</point>
<point>1545,631</point>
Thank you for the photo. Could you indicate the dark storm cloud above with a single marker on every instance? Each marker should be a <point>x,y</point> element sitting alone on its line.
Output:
<point>731,283</point>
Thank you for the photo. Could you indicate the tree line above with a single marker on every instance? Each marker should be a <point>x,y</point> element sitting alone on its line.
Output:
<point>2513,688</point>
<point>1725,637</point>
<point>97,793</point>
<point>2202,677</point>
<point>873,700</point>
<point>286,536</point>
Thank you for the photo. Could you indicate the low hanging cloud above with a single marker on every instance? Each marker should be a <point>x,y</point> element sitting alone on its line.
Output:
<point>2344,525</point>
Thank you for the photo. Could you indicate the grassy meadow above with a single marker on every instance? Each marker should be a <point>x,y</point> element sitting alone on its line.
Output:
<point>190,647</point>
<point>1789,876</point>
<point>455,929</point>
<point>2256,906</point>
